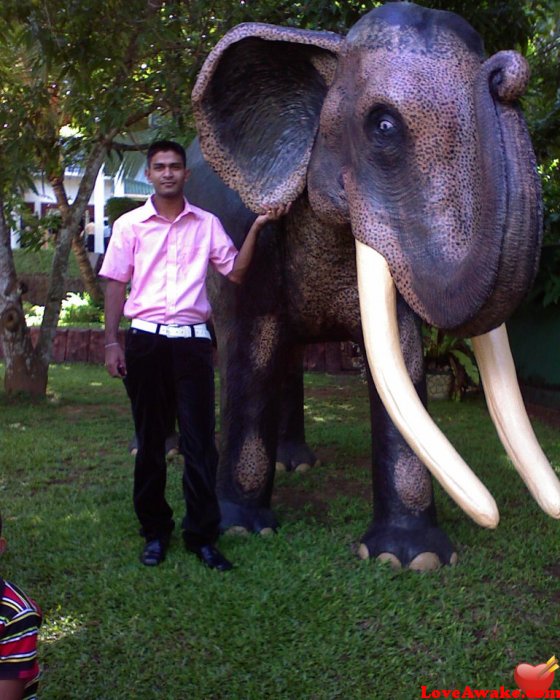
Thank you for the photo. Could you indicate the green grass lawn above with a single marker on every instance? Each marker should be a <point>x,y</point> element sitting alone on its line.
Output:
<point>300,616</point>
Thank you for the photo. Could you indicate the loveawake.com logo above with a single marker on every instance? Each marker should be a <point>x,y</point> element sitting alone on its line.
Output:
<point>532,682</point>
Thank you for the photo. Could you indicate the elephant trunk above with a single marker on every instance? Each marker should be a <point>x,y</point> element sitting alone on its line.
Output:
<point>511,197</point>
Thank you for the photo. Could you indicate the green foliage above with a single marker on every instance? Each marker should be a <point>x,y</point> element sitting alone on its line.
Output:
<point>550,177</point>
<point>546,289</point>
<point>39,262</point>
<point>542,104</point>
<point>33,314</point>
<point>76,310</point>
<point>19,101</point>
<point>443,351</point>
<point>542,108</point>
<point>79,309</point>
<point>38,232</point>
<point>300,616</point>
<point>116,206</point>
<point>503,24</point>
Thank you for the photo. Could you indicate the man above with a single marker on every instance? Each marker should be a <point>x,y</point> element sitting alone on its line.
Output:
<point>163,250</point>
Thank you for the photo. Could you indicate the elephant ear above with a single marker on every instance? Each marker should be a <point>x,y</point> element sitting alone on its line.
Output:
<point>257,103</point>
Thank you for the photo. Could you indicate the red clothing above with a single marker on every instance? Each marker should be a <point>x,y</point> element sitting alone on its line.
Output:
<point>20,619</point>
<point>166,262</point>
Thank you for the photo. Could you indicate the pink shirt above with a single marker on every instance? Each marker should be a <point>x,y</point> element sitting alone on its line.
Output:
<point>166,262</point>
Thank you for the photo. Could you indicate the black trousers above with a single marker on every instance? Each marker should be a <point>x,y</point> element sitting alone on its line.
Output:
<point>164,372</point>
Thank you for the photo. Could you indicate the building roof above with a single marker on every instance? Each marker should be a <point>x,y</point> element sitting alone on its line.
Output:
<point>137,187</point>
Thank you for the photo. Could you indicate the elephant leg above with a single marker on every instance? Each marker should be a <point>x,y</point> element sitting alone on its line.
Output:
<point>250,358</point>
<point>404,528</point>
<point>293,453</point>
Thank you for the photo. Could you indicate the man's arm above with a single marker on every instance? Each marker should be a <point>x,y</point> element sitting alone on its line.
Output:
<point>12,689</point>
<point>115,295</point>
<point>247,250</point>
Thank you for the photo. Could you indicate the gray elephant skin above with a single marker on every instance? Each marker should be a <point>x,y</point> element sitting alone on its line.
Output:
<point>401,142</point>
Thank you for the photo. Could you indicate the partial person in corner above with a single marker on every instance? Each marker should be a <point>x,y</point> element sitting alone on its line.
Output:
<point>20,619</point>
<point>163,250</point>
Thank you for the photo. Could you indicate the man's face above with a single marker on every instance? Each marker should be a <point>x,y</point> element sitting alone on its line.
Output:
<point>167,174</point>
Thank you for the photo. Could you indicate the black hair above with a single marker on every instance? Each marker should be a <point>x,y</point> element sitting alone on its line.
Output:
<point>162,145</point>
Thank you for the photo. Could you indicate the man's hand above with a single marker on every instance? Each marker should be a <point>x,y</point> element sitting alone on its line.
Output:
<point>245,255</point>
<point>115,293</point>
<point>272,213</point>
<point>114,360</point>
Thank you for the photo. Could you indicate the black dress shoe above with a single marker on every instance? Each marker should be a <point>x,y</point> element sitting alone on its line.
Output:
<point>211,557</point>
<point>154,552</point>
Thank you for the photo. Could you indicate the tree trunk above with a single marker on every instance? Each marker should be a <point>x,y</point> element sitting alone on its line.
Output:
<point>25,371</point>
<point>72,215</point>
<point>92,286</point>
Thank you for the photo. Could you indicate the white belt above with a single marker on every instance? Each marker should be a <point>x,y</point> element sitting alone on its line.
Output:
<point>199,330</point>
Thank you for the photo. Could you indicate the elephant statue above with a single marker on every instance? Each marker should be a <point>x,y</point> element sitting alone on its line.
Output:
<point>415,197</point>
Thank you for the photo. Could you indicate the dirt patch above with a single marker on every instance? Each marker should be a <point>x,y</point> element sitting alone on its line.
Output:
<point>313,493</point>
<point>315,503</point>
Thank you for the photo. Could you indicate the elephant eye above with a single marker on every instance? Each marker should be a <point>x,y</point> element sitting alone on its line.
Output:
<point>385,125</point>
<point>381,124</point>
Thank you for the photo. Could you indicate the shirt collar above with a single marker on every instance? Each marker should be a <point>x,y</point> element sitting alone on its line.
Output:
<point>148,210</point>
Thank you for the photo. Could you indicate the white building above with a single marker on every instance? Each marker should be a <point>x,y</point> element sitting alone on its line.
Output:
<point>106,186</point>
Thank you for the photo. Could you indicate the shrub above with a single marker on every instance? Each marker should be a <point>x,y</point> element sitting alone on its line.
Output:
<point>78,309</point>
<point>447,352</point>
<point>117,206</point>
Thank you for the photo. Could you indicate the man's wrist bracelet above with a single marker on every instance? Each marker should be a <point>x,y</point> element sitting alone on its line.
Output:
<point>110,345</point>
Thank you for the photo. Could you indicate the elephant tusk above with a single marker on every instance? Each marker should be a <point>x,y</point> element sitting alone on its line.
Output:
<point>508,413</point>
<point>397,392</point>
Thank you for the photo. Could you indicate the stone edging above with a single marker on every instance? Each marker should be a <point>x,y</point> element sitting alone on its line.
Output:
<point>88,345</point>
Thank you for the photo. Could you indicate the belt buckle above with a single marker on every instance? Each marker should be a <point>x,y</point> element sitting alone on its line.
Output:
<point>174,330</point>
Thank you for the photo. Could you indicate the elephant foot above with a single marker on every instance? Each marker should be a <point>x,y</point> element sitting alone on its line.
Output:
<point>421,549</point>
<point>242,520</point>
<point>295,457</point>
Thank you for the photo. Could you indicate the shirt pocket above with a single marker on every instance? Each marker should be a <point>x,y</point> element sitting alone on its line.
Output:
<point>192,257</point>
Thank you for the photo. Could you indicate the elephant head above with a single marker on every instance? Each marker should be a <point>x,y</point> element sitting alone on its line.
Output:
<point>406,133</point>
